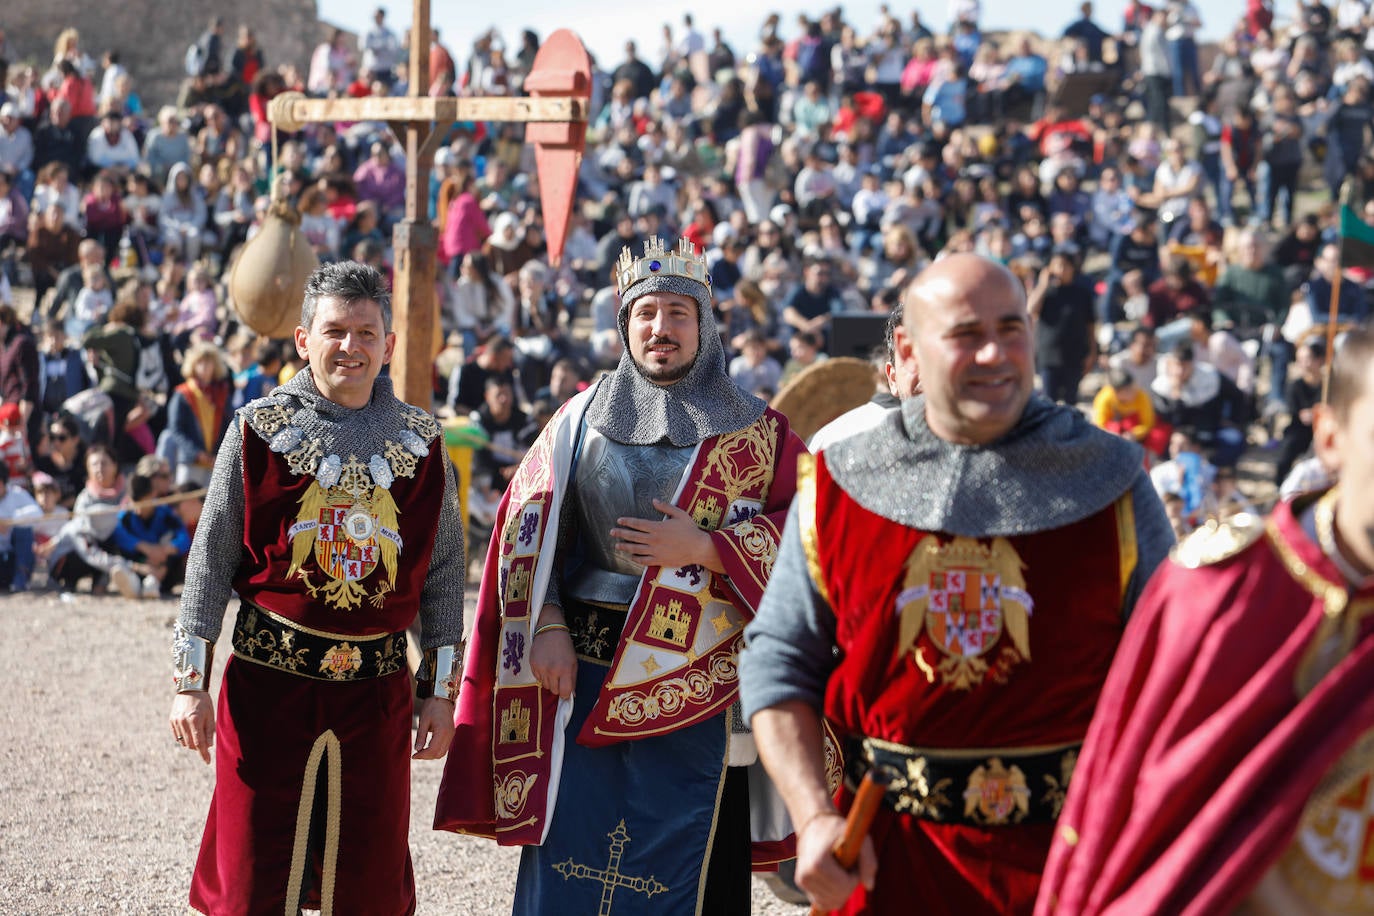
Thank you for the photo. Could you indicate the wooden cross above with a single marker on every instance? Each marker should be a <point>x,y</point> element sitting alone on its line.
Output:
<point>560,84</point>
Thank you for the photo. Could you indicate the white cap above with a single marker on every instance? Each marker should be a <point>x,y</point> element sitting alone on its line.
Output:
<point>779,214</point>
<point>9,110</point>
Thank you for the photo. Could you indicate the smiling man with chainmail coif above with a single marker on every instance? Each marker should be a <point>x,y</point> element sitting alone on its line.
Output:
<point>332,511</point>
<point>631,549</point>
<point>949,592</point>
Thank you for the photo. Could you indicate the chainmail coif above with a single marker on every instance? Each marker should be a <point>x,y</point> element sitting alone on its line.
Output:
<point>1052,469</point>
<point>630,409</point>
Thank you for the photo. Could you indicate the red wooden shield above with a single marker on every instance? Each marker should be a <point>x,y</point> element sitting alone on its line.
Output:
<point>561,69</point>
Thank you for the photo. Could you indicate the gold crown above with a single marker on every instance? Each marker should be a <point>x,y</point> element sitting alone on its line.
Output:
<point>659,262</point>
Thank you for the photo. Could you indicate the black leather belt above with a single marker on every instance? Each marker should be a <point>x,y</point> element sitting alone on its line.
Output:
<point>984,788</point>
<point>263,637</point>
<point>594,627</point>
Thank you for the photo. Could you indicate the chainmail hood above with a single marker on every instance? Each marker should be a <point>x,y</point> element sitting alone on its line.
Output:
<point>1052,469</point>
<point>630,409</point>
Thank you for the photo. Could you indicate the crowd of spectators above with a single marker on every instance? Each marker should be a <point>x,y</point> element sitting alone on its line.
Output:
<point>1171,215</point>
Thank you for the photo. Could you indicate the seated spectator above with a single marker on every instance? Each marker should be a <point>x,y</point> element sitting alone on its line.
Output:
<point>467,384</point>
<point>16,538</point>
<point>754,369</point>
<point>1124,408</point>
<point>506,249</point>
<point>495,464</point>
<point>1220,347</point>
<point>1197,237</point>
<point>1351,305</point>
<point>15,453</point>
<point>104,212</point>
<point>804,351</point>
<point>182,215</point>
<point>53,247</point>
<point>61,370</point>
<point>153,537</point>
<point>1175,295</point>
<point>811,305</point>
<point>565,380</point>
<point>1252,291</point>
<point>319,228</point>
<point>197,415</point>
<point>261,377</point>
<point>382,180</point>
<point>53,514</point>
<point>482,303</point>
<point>1188,476</point>
<point>166,145</point>
<point>14,224</point>
<point>198,317</point>
<point>86,545</point>
<point>1193,394</point>
<point>62,457</point>
<point>92,304</point>
<point>1304,392</point>
<point>112,147</point>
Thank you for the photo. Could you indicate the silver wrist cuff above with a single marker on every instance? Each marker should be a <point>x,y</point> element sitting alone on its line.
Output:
<point>442,672</point>
<point>448,671</point>
<point>191,659</point>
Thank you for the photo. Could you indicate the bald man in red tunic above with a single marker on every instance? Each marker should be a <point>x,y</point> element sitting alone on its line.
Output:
<point>950,591</point>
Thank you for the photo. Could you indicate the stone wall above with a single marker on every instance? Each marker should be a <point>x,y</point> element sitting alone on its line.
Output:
<point>152,35</point>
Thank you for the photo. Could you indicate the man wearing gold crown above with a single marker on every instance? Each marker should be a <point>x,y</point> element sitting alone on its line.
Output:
<point>598,723</point>
<point>1230,767</point>
<point>949,592</point>
<point>332,511</point>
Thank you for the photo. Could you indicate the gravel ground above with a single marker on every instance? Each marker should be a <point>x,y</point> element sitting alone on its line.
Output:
<point>101,813</point>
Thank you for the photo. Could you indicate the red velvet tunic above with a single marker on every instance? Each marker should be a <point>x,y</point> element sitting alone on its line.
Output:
<point>952,644</point>
<point>297,735</point>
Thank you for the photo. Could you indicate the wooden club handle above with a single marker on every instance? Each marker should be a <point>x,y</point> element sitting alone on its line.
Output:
<point>856,823</point>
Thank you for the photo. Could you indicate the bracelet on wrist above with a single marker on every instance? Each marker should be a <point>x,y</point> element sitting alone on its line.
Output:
<point>546,627</point>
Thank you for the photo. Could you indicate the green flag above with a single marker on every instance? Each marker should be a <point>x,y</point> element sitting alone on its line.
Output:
<point>1357,240</point>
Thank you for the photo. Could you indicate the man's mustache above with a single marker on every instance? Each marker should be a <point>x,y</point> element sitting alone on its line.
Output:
<point>661,341</point>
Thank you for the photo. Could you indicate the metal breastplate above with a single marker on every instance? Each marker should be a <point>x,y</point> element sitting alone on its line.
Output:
<point>614,481</point>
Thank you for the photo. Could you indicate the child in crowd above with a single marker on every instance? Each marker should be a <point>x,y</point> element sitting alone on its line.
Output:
<point>197,319</point>
<point>93,302</point>
<point>16,539</point>
<point>1122,407</point>
<point>153,536</point>
<point>14,445</point>
<point>804,351</point>
<point>754,368</point>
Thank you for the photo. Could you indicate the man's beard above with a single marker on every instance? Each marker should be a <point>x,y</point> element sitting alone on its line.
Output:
<point>664,375</point>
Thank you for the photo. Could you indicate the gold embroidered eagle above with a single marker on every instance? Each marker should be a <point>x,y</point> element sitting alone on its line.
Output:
<point>968,580</point>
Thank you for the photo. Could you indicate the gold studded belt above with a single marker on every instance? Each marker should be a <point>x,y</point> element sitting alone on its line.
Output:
<point>983,788</point>
<point>268,639</point>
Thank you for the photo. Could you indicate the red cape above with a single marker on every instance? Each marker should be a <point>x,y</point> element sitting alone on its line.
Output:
<point>1203,753</point>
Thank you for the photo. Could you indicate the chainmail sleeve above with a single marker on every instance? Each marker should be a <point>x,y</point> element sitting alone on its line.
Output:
<point>441,601</point>
<point>218,545</point>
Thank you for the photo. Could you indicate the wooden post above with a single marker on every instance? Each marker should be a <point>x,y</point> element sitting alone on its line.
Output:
<point>420,123</point>
<point>414,239</point>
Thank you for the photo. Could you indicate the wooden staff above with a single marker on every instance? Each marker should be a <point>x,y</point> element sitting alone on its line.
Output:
<point>856,823</point>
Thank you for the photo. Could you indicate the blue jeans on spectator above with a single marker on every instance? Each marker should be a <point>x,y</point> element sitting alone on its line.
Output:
<point>1226,189</point>
<point>1183,66</point>
<point>1274,179</point>
<point>16,564</point>
<point>1281,355</point>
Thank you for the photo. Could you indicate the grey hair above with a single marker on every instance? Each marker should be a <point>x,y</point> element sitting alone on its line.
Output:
<point>347,281</point>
